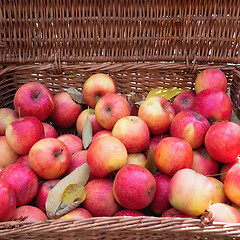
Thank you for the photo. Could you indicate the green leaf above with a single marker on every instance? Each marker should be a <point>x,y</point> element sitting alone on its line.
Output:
<point>166,93</point>
<point>150,165</point>
<point>87,132</point>
<point>68,193</point>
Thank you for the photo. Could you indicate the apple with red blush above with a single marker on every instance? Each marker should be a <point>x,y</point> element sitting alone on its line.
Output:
<point>211,78</point>
<point>110,108</point>
<point>96,86</point>
<point>190,126</point>
<point>90,114</point>
<point>23,132</point>
<point>158,113</point>
<point>183,101</point>
<point>66,110</point>
<point>49,158</point>
<point>203,163</point>
<point>44,188</point>
<point>73,142</point>
<point>34,99</point>
<point>7,115</point>
<point>22,180</point>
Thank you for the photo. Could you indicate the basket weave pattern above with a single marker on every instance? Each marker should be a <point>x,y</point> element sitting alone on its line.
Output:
<point>142,45</point>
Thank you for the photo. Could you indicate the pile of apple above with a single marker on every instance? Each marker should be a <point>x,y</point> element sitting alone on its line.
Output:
<point>171,158</point>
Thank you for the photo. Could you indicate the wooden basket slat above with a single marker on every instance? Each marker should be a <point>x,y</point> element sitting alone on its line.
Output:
<point>119,31</point>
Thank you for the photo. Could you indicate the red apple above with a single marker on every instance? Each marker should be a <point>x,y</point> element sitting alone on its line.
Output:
<point>77,159</point>
<point>44,189</point>
<point>49,158</point>
<point>225,168</point>
<point>97,86</point>
<point>160,201</point>
<point>137,158</point>
<point>203,163</point>
<point>106,155</point>
<point>190,192</point>
<point>73,143</point>
<point>100,200</point>
<point>29,213</point>
<point>211,78</point>
<point>219,195</point>
<point>213,104</point>
<point>78,213</point>
<point>90,114</point>
<point>158,113</point>
<point>154,142</point>
<point>133,132</point>
<point>110,108</point>
<point>22,180</point>
<point>183,101</point>
<point>66,111</point>
<point>7,115</point>
<point>7,202</point>
<point>23,132</point>
<point>24,160</point>
<point>7,155</point>
<point>34,99</point>
<point>173,154</point>
<point>130,213</point>
<point>101,133</point>
<point>190,126</point>
<point>222,141</point>
<point>134,187</point>
<point>49,130</point>
<point>173,212</point>
<point>232,184</point>
<point>224,213</point>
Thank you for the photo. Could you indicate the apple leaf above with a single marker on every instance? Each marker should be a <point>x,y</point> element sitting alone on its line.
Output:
<point>164,92</point>
<point>150,165</point>
<point>68,193</point>
<point>76,95</point>
<point>87,132</point>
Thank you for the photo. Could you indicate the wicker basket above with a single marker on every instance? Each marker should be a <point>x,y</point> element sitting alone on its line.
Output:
<point>142,45</point>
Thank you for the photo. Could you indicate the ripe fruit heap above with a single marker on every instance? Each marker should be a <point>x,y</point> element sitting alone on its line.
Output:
<point>175,156</point>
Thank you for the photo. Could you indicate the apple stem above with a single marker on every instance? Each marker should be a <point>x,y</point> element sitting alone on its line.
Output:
<point>19,112</point>
<point>58,153</point>
<point>167,106</point>
<point>215,175</point>
<point>197,114</point>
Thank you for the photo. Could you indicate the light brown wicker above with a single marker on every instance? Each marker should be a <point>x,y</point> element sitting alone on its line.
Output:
<point>142,45</point>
